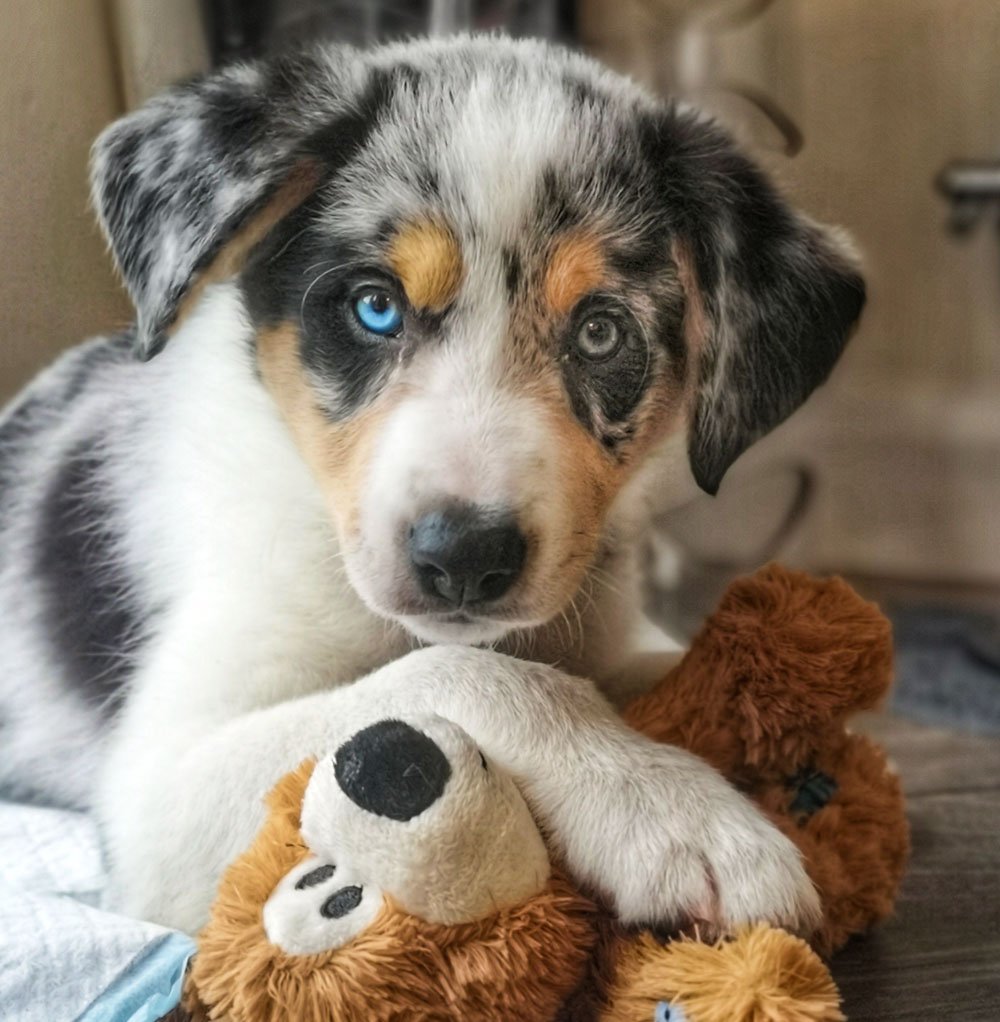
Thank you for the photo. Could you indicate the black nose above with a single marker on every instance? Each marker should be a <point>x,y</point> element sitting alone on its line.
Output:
<point>391,769</point>
<point>466,555</point>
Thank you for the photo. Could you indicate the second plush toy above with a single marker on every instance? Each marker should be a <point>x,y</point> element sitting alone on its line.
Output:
<point>764,694</point>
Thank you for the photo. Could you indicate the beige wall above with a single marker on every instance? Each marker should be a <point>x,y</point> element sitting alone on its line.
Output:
<point>159,42</point>
<point>68,67</point>
<point>58,87</point>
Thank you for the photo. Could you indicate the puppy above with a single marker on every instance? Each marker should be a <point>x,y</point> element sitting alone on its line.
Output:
<point>419,331</point>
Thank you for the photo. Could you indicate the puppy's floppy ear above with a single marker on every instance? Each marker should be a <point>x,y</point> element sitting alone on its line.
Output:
<point>779,295</point>
<point>176,180</point>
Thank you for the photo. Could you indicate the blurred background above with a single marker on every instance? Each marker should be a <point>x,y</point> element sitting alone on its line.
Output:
<point>879,115</point>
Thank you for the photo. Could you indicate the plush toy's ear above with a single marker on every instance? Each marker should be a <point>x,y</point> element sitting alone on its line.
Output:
<point>179,179</point>
<point>772,297</point>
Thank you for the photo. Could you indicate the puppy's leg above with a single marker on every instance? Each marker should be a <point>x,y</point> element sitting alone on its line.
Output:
<point>179,796</point>
<point>653,829</point>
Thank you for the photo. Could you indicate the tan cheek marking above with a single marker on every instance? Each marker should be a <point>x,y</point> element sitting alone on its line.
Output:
<point>591,478</point>
<point>426,257</point>
<point>297,187</point>
<point>337,453</point>
<point>576,266</point>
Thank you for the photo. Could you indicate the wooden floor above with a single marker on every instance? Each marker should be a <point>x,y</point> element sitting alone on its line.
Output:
<point>938,959</point>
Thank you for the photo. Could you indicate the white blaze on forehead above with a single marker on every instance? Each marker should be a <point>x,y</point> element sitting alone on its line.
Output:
<point>485,140</point>
<point>463,432</point>
<point>493,156</point>
<point>462,429</point>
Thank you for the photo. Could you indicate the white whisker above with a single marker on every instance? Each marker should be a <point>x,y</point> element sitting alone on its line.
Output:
<point>314,282</point>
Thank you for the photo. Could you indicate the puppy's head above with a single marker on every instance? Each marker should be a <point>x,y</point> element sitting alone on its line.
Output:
<point>492,290</point>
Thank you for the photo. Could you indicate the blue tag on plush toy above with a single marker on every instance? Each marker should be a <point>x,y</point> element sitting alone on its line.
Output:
<point>667,1012</point>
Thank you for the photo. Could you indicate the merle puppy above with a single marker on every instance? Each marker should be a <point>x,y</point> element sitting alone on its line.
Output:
<point>418,333</point>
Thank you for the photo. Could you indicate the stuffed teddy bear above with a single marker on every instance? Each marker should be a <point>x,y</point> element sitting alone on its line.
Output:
<point>764,694</point>
<point>441,902</point>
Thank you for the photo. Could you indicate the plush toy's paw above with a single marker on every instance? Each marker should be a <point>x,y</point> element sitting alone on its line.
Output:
<point>760,973</point>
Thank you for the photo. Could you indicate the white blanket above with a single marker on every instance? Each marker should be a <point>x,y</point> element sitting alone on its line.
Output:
<point>62,957</point>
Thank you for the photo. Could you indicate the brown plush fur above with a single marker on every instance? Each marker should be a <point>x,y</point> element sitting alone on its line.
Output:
<point>762,975</point>
<point>519,965</point>
<point>764,693</point>
<point>783,656</point>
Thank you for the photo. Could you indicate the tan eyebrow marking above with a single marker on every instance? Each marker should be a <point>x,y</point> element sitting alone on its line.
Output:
<point>577,265</point>
<point>426,257</point>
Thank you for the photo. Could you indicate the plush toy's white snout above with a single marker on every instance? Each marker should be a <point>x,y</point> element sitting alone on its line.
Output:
<point>319,906</point>
<point>414,808</point>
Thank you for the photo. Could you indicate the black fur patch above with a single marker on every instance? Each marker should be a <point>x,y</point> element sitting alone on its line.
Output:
<point>583,94</point>
<point>558,209</point>
<point>91,612</point>
<point>512,271</point>
<point>23,422</point>
<point>338,351</point>
<point>604,394</point>
<point>779,297</point>
<point>302,273</point>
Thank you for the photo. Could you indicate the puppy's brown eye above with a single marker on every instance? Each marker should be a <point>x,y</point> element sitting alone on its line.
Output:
<point>598,338</point>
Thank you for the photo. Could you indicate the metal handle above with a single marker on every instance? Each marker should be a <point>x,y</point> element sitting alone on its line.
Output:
<point>973,187</point>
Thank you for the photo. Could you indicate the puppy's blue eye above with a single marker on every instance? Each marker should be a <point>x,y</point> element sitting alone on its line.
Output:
<point>378,312</point>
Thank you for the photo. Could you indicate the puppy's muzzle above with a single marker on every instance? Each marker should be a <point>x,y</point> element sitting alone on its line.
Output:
<point>466,555</point>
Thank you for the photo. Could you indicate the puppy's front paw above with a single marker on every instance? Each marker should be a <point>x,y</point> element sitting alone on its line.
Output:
<point>758,874</point>
<point>698,851</point>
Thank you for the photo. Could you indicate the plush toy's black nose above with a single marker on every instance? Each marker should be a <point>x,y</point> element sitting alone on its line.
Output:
<point>391,769</point>
<point>466,555</point>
